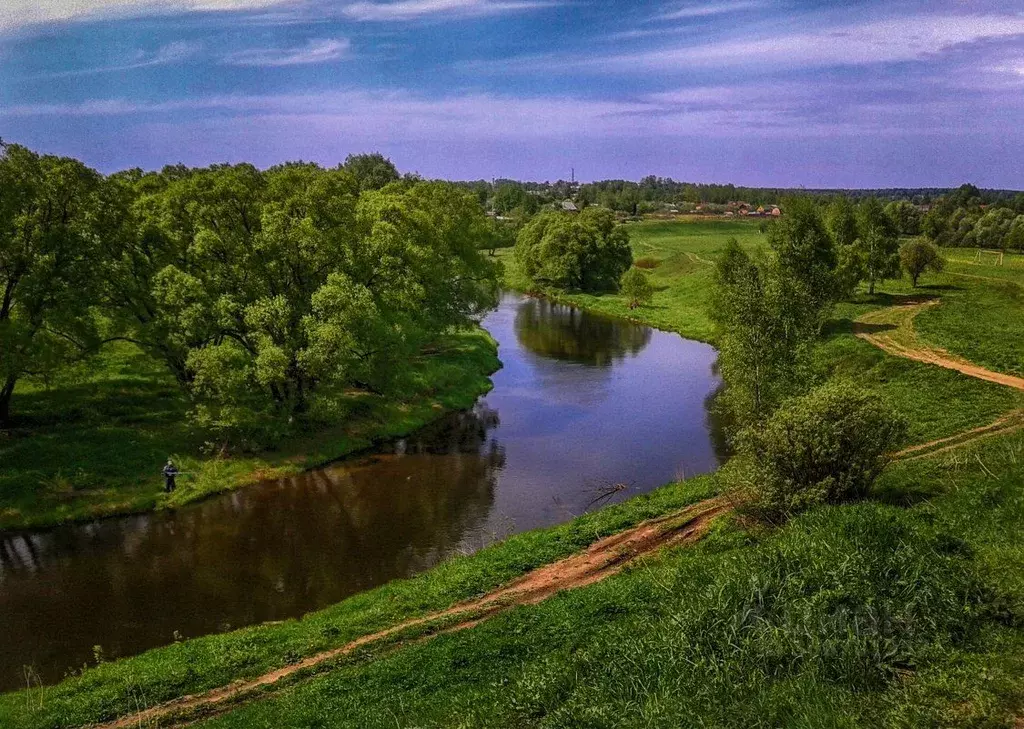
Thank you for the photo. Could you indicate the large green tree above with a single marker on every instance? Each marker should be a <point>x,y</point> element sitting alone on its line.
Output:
<point>841,220</point>
<point>371,171</point>
<point>48,271</point>
<point>905,217</point>
<point>588,251</point>
<point>764,332</point>
<point>807,254</point>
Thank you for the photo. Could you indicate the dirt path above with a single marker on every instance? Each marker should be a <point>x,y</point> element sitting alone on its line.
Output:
<point>601,560</point>
<point>892,330</point>
<point>1007,424</point>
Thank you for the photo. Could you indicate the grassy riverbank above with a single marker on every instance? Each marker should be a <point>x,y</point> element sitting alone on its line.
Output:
<point>94,445</point>
<point>906,610</point>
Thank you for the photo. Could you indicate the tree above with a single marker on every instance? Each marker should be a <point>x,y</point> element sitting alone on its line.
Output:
<point>636,287</point>
<point>841,220</point>
<point>826,447</point>
<point>587,252</point>
<point>918,256</point>
<point>993,227</point>
<point>878,242</point>
<point>764,332</point>
<point>265,292</point>
<point>807,253</point>
<point>510,197</point>
<point>1015,235</point>
<point>371,171</point>
<point>905,217</point>
<point>48,265</point>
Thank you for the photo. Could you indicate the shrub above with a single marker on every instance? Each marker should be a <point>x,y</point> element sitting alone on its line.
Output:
<point>647,262</point>
<point>826,447</point>
<point>636,287</point>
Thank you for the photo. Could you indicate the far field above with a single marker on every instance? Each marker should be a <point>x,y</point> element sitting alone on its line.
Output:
<point>906,610</point>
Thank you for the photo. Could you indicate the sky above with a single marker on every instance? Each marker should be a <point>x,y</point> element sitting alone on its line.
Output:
<point>851,93</point>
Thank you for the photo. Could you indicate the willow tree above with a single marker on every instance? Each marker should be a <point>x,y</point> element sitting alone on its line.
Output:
<point>586,251</point>
<point>263,290</point>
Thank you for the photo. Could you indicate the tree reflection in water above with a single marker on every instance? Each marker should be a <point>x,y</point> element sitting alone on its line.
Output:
<point>265,553</point>
<point>561,332</point>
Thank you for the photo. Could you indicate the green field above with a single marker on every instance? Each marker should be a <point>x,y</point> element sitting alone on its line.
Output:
<point>906,610</point>
<point>94,444</point>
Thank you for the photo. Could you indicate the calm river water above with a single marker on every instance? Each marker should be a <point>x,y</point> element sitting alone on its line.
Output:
<point>583,402</point>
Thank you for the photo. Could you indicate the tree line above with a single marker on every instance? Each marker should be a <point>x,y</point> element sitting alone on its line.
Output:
<point>514,198</point>
<point>968,218</point>
<point>265,293</point>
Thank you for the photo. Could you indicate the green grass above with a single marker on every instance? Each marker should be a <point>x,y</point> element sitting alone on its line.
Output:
<point>110,689</point>
<point>981,321</point>
<point>857,616</point>
<point>684,254</point>
<point>906,610</point>
<point>94,445</point>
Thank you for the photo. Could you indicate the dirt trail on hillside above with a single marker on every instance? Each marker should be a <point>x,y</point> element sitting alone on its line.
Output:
<point>1009,423</point>
<point>601,560</point>
<point>882,328</point>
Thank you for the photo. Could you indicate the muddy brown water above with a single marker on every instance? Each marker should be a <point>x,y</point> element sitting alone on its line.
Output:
<point>582,403</point>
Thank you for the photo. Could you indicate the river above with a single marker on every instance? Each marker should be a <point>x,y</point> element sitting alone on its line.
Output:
<point>586,411</point>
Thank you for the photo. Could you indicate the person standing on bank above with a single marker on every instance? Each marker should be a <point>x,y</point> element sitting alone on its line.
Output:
<point>170,473</point>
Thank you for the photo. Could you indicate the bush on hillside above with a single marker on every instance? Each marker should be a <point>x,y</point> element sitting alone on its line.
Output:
<point>826,447</point>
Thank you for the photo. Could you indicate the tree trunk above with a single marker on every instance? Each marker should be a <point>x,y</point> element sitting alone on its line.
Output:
<point>5,402</point>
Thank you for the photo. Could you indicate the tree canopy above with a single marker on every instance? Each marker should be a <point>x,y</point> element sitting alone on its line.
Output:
<point>48,280</point>
<point>586,251</point>
<point>263,292</point>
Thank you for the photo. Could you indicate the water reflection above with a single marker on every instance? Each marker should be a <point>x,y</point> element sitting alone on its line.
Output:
<point>265,553</point>
<point>581,402</point>
<point>561,332</point>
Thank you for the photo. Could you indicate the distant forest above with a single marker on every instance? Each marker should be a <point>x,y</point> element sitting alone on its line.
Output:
<point>651,193</point>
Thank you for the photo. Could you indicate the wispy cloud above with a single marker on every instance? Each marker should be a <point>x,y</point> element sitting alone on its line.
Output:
<point>172,53</point>
<point>403,10</point>
<point>16,14</point>
<point>893,40</point>
<point>790,110</point>
<point>705,10</point>
<point>315,51</point>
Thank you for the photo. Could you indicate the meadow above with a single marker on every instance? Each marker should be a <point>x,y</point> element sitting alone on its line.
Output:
<point>903,610</point>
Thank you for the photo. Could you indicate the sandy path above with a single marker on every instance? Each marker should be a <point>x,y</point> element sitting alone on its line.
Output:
<point>601,560</point>
<point>1009,423</point>
<point>900,320</point>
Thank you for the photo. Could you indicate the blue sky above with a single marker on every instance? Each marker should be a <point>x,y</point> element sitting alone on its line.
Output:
<point>762,92</point>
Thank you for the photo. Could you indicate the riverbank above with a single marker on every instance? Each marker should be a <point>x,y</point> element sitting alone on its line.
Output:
<point>94,447</point>
<point>903,610</point>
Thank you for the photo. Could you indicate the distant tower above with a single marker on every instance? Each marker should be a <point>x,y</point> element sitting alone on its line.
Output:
<point>574,175</point>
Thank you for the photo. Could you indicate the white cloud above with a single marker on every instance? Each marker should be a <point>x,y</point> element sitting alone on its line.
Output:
<point>315,51</point>
<point>171,53</point>
<point>19,13</point>
<point>412,9</point>
<point>704,11</point>
<point>902,39</point>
